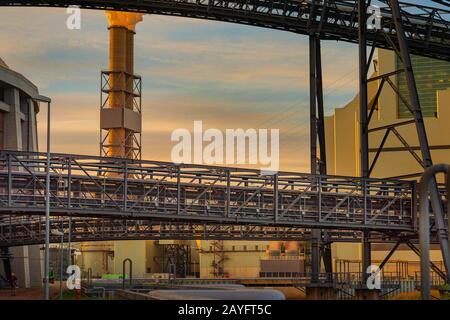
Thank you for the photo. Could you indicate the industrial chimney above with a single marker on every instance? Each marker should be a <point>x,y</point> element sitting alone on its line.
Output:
<point>120,118</point>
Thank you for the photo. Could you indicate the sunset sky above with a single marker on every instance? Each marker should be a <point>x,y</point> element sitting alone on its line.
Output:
<point>229,76</point>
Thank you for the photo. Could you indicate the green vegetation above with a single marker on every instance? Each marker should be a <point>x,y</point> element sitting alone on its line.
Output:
<point>444,291</point>
<point>113,276</point>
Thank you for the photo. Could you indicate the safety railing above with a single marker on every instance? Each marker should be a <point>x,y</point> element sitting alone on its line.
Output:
<point>98,187</point>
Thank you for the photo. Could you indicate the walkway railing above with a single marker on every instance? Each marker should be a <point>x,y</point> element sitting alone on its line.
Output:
<point>85,186</point>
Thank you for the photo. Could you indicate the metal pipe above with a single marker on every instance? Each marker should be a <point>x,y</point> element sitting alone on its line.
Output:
<point>47,201</point>
<point>130,264</point>
<point>424,227</point>
<point>312,103</point>
<point>320,111</point>
<point>47,209</point>
<point>61,263</point>
<point>89,276</point>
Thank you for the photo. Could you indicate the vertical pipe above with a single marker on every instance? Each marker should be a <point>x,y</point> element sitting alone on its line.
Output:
<point>427,184</point>
<point>69,204</point>
<point>448,207</point>
<point>178,190</point>
<point>275,197</point>
<point>9,181</point>
<point>47,211</point>
<point>125,185</point>
<point>2,130</point>
<point>61,262</point>
<point>424,240</point>
<point>228,195</point>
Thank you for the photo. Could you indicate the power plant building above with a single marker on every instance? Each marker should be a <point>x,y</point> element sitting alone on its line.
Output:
<point>18,131</point>
<point>396,161</point>
<point>121,127</point>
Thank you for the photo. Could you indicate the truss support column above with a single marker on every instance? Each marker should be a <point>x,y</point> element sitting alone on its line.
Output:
<point>363,100</point>
<point>320,111</point>
<point>421,132</point>
<point>411,82</point>
<point>313,102</point>
<point>315,255</point>
<point>322,163</point>
<point>317,126</point>
<point>313,93</point>
<point>363,124</point>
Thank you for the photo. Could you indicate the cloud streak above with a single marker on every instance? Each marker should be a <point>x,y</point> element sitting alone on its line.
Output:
<point>229,76</point>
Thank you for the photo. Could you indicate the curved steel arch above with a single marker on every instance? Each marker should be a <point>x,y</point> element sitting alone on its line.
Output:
<point>427,29</point>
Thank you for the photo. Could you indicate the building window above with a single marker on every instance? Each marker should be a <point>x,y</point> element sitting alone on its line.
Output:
<point>431,75</point>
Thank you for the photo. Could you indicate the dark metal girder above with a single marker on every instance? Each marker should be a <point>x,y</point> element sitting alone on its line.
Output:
<point>425,27</point>
<point>25,231</point>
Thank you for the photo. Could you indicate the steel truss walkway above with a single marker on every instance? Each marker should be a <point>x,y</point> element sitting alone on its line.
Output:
<point>161,200</point>
<point>426,28</point>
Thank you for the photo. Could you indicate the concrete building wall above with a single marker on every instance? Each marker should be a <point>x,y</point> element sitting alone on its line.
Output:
<point>134,250</point>
<point>97,256</point>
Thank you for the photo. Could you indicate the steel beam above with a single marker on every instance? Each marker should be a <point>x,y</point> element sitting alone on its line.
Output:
<point>366,255</point>
<point>313,103</point>
<point>426,26</point>
<point>363,100</point>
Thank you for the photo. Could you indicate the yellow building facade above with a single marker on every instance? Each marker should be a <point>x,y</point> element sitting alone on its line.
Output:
<point>343,138</point>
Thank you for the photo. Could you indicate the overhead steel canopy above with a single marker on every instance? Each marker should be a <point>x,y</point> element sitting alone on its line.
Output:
<point>427,28</point>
